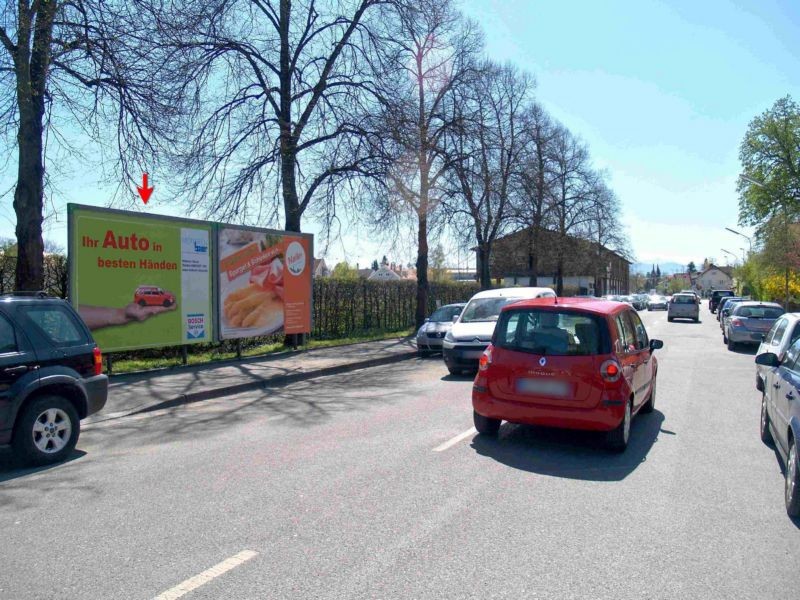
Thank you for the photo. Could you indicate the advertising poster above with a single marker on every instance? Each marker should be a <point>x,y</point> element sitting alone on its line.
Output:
<point>141,281</point>
<point>264,282</point>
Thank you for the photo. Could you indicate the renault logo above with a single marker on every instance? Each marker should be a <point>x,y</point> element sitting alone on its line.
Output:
<point>542,361</point>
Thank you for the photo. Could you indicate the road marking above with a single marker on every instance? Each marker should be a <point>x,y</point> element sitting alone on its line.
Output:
<point>452,442</point>
<point>209,574</point>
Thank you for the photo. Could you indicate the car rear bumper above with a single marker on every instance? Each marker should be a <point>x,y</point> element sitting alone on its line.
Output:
<point>743,336</point>
<point>96,393</point>
<point>463,356</point>
<point>603,417</point>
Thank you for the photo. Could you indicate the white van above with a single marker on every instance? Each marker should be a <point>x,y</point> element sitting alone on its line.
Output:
<point>472,330</point>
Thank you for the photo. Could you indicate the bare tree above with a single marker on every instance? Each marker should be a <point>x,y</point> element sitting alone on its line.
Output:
<point>572,193</point>
<point>486,147</point>
<point>431,54</point>
<point>532,205</point>
<point>280,93</point>
<point>80,64</point>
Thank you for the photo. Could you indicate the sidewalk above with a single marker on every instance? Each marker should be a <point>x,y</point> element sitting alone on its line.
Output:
<point>142,392</point>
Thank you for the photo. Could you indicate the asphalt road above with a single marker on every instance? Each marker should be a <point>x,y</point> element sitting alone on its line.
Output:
<point>362,486</point>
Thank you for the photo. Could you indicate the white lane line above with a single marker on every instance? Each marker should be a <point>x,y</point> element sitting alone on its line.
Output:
<point>452,442</point>
<point>209,574</point>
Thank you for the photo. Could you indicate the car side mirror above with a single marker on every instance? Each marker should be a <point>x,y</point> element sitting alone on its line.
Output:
<point>455,318</point>
<point>426,320</point>
<point>768,359</point>
<point>656,345</point>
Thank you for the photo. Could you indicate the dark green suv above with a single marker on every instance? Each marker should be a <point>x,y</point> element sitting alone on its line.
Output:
<point>50,377</point>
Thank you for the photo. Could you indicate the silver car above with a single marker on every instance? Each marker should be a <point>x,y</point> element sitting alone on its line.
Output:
<point>432,332</point>
<point>683,306</point>
<point>784,332</point>
<point>750,321</point>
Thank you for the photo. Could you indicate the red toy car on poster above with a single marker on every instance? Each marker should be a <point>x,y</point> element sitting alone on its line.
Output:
<point>151,295</point>
<point>567,362</point>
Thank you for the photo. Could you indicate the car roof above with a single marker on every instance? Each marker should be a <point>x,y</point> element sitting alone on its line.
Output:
<point>759,303</point>
<point>513,292</point>
<point>589,305</point>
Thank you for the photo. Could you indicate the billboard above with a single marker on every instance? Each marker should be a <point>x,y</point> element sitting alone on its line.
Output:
<point>264,280</point>
<point>141,281</point>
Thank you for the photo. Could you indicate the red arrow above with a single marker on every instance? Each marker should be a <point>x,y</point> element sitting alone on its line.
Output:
<point>145,191</point>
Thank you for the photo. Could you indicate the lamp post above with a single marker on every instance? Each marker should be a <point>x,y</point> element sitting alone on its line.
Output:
<point>735,258</point>
<point>749,241</point>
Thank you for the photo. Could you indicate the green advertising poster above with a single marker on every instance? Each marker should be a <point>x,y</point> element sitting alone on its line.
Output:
<point>140,281</point>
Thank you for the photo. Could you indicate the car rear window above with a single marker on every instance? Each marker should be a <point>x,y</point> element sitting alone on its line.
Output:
<point>445,313</point>
<point>758,312</point>
<point>56,323</point>
<point>684,300</point>
<point>549,332</point>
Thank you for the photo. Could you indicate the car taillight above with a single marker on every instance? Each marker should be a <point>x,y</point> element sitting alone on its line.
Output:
<point>486,359</point>
<point>98,361</point>
<point>736,322</point>
<point>610,371</point>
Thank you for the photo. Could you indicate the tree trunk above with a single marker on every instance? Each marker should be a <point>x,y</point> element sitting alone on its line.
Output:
<point>29,203</point>
<point>422,268</point>
<point>288,145</point>
<point>484,270</point>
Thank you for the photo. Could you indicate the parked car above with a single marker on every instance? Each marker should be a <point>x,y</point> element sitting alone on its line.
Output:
<point>724,312</point>
<point>780,417</point>
<point>783,333</point>
<point>577,364</point>
<point>150,295</point>
<point>472,330</point>
<point>50,377</point>
<point>721,305</point>
<point>750,321</point>
<point>657,303</point>
<point>683,306</point>
<point>639,301</point>
<point>431,335</point>
<point>716,296</point>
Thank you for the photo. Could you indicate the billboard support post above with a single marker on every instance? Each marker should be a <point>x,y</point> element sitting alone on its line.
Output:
<point>184,355</point>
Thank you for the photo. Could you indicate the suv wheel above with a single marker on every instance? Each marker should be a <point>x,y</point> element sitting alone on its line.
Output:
<point>46,431</point>
<point>485,425</point>
<point>766,434</point>
<point>793,482</point>
<point>167,303</point>
<point>142,303</point>
<point>617,439</point>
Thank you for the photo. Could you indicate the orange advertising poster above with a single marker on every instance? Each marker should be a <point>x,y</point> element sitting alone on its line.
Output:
<point>264,282</point>
<point>297,285</point>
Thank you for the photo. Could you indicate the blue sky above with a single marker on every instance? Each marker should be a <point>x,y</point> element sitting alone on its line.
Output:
<point>662,93</point>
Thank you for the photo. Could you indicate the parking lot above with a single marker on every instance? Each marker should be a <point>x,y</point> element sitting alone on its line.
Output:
<point>373,484</point>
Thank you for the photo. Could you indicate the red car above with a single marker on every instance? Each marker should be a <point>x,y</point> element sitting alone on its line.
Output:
<point>572,363</point>
<point>151,295</point>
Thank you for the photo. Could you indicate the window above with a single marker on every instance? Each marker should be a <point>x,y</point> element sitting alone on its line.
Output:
<point>758,312</point>
<point>791,356</point>
<point>627,339</point>
<point>484,309</point>
<point>56,323</point>
<point>555,333</point>
<point>639,331</point>
<point>445,314</point>
<point>775,335</point>
<point>8,341</point>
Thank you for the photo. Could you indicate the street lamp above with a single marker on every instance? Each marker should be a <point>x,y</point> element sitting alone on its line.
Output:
<point>749,241</point>
<point>735,258</point>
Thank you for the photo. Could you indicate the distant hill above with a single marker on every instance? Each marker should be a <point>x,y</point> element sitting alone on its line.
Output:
<point>667,268</point>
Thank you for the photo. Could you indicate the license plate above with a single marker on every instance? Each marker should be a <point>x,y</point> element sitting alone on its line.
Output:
<point>472,353</point>
<point>544,387</point>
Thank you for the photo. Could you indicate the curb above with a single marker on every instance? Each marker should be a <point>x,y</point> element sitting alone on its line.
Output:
<point>276,381</point>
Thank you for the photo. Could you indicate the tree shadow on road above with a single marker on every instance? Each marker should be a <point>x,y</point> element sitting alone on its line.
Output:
<point>571,454</point>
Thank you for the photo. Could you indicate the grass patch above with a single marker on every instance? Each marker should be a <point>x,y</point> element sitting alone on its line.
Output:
<point>130,365</point>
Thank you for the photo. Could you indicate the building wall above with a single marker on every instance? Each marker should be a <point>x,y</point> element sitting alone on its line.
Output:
<point>584,262</point>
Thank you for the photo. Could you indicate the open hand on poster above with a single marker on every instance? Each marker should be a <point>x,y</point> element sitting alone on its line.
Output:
<point>97,317</point>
